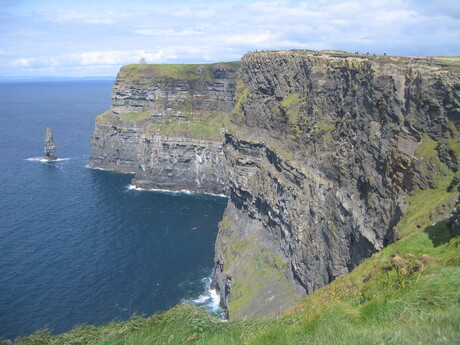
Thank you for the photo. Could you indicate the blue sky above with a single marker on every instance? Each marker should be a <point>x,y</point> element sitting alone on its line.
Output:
<point>94,38</point>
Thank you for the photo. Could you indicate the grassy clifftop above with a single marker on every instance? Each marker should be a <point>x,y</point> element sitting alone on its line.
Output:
<point>174,71</point>
<point>190,100</point>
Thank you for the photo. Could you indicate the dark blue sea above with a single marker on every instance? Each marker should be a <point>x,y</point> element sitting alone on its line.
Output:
<point>77,246</point>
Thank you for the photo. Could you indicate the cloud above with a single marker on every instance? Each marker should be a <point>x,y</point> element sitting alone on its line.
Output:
<point>94,58</point>
<point>249,39</point>
<point>446,8</point>
<point>170,32</point>
<point>76,36</point>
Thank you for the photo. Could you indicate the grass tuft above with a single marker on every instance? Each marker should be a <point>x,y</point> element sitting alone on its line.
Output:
<point>213,128</point>
<point>134,117</point>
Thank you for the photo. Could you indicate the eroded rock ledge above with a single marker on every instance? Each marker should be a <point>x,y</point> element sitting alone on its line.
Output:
<point>319,153</point>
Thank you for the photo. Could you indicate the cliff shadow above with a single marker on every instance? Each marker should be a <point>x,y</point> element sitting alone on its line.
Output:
<point>439,233</point>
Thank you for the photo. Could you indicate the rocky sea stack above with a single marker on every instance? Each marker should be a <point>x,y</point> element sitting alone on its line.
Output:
<point>50,147</point>
<point>316,152</point>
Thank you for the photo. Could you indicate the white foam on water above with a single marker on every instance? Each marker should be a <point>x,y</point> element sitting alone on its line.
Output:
<point>44,160</point>
<point>209,299</point>
<point>133,187</point>
<point>87,165</point>
<point>102,169</point>
<point>214,299</point>
<point>182,191</point>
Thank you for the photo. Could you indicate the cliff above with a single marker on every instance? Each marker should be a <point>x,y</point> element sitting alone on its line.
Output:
<point>319,155</point>
<point>324,153</point>
<point>165,125</point>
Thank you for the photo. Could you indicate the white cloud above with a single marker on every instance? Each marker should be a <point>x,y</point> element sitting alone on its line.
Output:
<point>285,10</point>
<point>171,32</point>
<point>95,58</point>
<point>73,37</point>
<point>264,37</point>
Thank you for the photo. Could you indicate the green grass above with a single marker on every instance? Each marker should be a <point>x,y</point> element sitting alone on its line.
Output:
<point>291,100</point>
<point>135,117</point>
<point>108,117</point>
<point>451,63</point>
<point>261,273</point>
<point>173,71</point>
<point>291,106</point>
<point>241,96</point>
<point>405,294</point>
<point>192,127</point>
<point>225,224</point>
<point>283,152</point>
<point>206,129</point>
<point>326,126</point>
<point>105,117</point>
<point>363,307</point>
<point>422,200</point>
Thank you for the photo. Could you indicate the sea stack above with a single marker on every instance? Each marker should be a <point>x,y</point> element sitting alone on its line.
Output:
<point>50,148</point>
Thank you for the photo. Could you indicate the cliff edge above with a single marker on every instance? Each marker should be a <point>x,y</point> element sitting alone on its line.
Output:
<point>165,125</point>
<point>316,153</point>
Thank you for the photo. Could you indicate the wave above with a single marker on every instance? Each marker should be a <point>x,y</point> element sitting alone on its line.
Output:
<point>209,300</point>
<point>102,169</point>
<point>43,160</point>
<point>182,191</point>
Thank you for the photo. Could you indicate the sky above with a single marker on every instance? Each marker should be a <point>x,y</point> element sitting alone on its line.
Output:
<point>80,38</point>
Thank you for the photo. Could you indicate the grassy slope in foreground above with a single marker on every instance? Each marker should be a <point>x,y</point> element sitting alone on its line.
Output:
<point>364,307</point>
<point>416,302</point>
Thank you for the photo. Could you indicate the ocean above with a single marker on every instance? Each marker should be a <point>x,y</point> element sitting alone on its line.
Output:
<point>77,245</point>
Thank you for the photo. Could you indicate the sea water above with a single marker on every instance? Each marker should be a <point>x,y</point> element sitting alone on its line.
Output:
<point>77,245</point>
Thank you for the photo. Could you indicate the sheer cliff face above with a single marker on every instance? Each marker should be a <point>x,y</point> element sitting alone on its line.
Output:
<point>164,125</point>
<point>316,161</point>
<point>324,152</point>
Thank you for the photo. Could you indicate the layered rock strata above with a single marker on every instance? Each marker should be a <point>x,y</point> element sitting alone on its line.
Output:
<point>324,152</point>
<point>178,163</point>
<point>50,147</point>
<point>316,160</point>
<point>165,126</point>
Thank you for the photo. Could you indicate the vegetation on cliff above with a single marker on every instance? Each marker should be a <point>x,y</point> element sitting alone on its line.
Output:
<point>361,135</point>
<point>186,100</point>
<point>367,306</point>
<point>405,294</point>
<point>149,72</point>
<point>209,129</point>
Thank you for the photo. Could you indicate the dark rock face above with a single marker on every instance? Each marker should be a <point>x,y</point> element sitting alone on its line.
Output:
<point>324,153</point>
<point>320,153</point>
<point>50,147</point>
<point>114,147</point>
<point>176,163</point>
